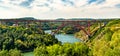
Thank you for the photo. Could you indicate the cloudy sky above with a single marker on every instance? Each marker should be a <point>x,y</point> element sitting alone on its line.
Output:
<point>51,9</point>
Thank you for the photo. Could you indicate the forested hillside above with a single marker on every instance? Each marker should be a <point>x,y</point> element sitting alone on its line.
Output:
<point>23,39</point>
<point>104,41</point>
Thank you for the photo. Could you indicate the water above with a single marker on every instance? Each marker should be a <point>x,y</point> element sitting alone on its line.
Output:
<point>28,54</point>
<point>61,37</point>
<point>65,37</point>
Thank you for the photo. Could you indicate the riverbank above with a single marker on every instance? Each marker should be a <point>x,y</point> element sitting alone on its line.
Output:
<point>61,37</point>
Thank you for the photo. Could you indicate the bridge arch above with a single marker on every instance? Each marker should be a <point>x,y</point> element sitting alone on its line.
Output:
<point>74,24</point>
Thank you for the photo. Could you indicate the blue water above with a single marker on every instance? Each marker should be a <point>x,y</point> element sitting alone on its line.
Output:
<point>61,37</point>
<point>65,37</point>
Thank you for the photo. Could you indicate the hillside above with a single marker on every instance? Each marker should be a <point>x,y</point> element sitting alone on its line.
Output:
<point>105,41</point>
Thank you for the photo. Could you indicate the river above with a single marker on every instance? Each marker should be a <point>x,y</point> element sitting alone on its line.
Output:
<point>61,37</point>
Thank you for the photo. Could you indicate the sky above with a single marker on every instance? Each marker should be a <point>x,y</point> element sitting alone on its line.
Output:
<point>52,9</point>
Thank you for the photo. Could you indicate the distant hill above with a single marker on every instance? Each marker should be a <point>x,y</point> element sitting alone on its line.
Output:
<point>23,18</point>
<point>81,19</point>
<point>27,18</point>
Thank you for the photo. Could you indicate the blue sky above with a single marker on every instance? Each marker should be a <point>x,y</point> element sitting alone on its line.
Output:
<point>52,9</point>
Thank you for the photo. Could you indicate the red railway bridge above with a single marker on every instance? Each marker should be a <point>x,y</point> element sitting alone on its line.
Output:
<point>80,24</point>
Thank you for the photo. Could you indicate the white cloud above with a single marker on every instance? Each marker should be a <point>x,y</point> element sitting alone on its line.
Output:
<point>12,11</point>
<point>42,9</point>
<point>14,2</point>
<point>79,3</point>
<point>38,2</point>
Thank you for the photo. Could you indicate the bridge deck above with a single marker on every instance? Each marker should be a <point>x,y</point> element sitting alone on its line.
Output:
<point>21,20</point>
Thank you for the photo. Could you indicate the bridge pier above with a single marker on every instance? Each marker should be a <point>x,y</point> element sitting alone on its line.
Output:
<point>2,23</point>
<point>40,26</point>
<point>16,23</point>
<point>88,26</point>
<point>27,24</point>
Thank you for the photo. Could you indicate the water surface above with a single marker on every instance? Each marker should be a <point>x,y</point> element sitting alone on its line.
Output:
<point>61,37</point>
